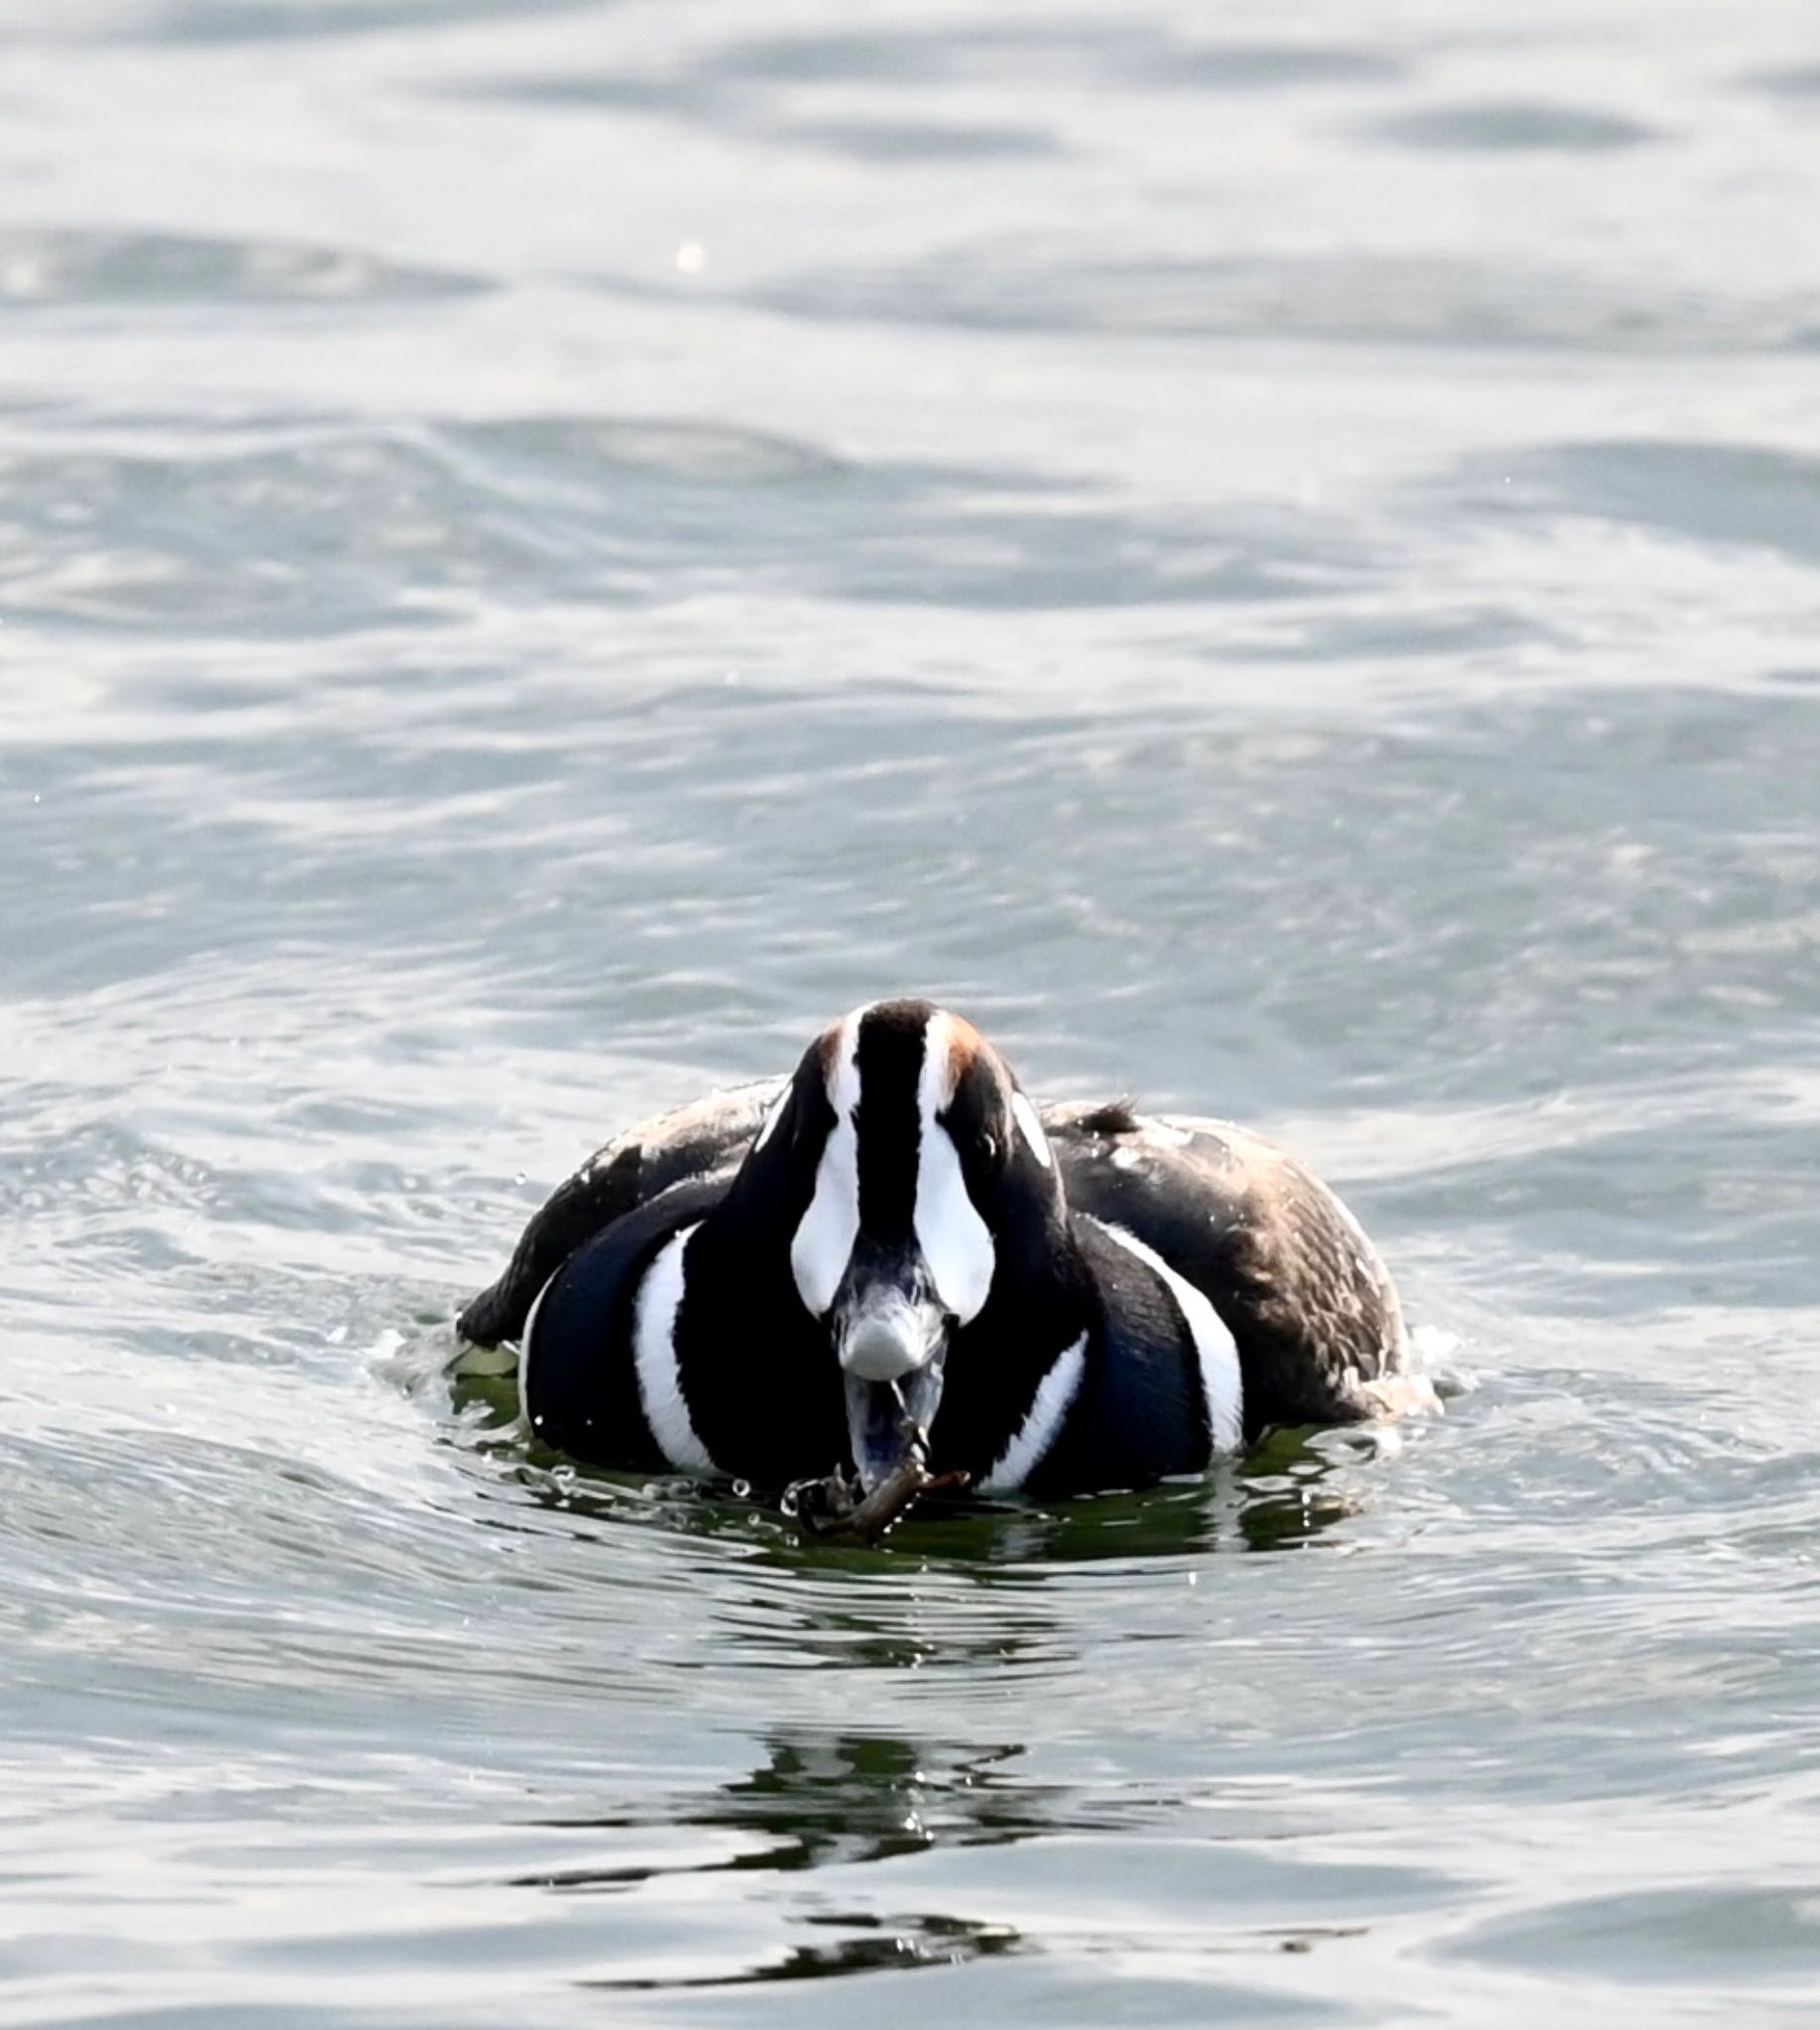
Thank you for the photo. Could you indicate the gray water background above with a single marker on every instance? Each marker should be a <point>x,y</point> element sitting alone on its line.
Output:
<point>1272,555</point>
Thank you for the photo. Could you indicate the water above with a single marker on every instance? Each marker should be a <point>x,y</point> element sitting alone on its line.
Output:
<point>1274,558</point>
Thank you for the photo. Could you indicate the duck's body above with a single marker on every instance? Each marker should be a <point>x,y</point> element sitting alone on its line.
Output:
<point>653,1349</point>
<point>1125,1298</point>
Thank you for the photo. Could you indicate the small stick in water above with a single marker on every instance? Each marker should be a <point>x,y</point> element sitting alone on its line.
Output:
<point>834,1507</point>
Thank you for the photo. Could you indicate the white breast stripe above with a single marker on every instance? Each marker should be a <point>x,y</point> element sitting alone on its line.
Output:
<point>1055,1396</point>
<point>1026,1117</point>
<point>824,1239</point>
<point>772,1116</point>
<point>955,1242</point>
<point>1220,1378</point>
<point>655,1356</point>
<point>525,1344</point>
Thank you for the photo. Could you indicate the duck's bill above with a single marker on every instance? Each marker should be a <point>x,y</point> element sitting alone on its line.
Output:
<point>887,1422</point>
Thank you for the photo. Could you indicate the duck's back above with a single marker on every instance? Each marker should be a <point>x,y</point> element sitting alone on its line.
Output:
<point>1305,1294</point>
<point>1307,1297</point>
<point>695,1141</point>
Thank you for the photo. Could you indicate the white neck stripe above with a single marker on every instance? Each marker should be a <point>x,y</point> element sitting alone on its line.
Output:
<point>774,1114</point>
<point>936,1082</point>
<point>843,1067</point>
<point>1025,1115</point>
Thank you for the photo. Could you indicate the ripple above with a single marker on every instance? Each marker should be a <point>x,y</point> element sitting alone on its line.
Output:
<point>1396,300</point>
<point>723,102</point>
<point>1758,495</point>
<point>921,141</point>
<point>314,534</point>
<point>1516,127</point>
<point>585,448</point>
<point>1787,82</point>
<point>260,21</point>
<point>1132,52</point>
<point>1680,1935</point>
<point>63,265</point>
<point>818,55</point>
<point>328,530</point>
<point>1240,66</point>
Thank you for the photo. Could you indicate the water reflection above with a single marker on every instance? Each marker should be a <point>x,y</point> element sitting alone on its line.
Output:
<point>879,1944</point>
<point>851,1819</point>
<point>830,1800</point>
<point>821,1800</point>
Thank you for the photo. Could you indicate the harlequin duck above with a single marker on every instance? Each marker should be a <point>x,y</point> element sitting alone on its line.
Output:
<point>897,1242</point>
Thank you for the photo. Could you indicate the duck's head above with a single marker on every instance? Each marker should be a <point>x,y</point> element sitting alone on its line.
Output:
<point>911,1162</point>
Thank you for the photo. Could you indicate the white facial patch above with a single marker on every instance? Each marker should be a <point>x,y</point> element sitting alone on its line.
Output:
<point>1025,1115</point>
<point>825,1236</point>
<point>955,1242</point>
<point>1220,1378</point>
<point>1054,1399</point>
<point>654,1357</point>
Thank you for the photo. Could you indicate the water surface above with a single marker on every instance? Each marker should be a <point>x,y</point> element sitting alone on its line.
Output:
<point>1272,558</point>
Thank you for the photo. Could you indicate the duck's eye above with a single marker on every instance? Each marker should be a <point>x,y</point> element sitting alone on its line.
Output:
<point>990,1144</point>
